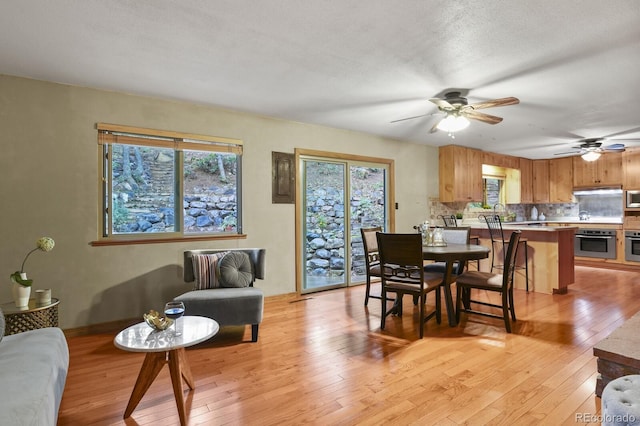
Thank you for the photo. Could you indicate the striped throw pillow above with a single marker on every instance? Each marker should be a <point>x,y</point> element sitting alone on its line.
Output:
<point>206,270</point>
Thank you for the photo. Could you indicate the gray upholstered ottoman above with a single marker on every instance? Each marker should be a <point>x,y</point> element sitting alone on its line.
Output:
<point>621,401</point>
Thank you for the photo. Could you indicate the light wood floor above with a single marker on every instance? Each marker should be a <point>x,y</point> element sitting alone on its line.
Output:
<point>322,359</point>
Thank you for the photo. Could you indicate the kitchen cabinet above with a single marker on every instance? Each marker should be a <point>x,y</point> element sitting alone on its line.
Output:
<point>552,180</point>
<point>561,180</point>
<point>526,181</point>
<point>500,160</point>
<point>631,169</point>
<point>605,171</point>
<point>460,174</point>
<point>540,170</point>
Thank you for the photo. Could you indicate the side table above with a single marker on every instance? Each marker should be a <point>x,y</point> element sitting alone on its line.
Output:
<point>165,347</point>
<point>30,317</point>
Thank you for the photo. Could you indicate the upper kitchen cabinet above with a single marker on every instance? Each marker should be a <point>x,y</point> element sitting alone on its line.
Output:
<point>561,180</point>
<point>631,169</point>
<point>540,170</point>
<point>526,181</point>
<point>605,171</point>
<point>500,160</point>
<point>460,174</point>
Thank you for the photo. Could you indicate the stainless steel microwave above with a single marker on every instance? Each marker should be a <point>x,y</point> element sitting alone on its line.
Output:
<point>632,199</point>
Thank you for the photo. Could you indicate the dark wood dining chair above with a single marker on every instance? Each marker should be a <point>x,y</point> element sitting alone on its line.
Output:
<point>402,272</point>
<point>448,220</point>
<point>372,258</point>
<point>500,283</point>
<point>499,246</point>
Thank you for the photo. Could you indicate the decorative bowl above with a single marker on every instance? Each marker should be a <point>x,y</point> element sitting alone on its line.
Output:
<point>157,321</point>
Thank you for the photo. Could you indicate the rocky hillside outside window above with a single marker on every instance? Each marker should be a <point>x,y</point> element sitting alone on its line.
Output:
<point>167,185</point>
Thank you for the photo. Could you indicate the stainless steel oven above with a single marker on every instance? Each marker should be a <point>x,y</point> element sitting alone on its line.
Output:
<point>600,243</point>
<point>632,246</point>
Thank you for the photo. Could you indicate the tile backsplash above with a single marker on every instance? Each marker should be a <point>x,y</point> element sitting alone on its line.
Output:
<point>471,211</point>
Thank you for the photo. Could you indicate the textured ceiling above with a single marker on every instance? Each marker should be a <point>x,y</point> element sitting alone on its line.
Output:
<point>574,64</point>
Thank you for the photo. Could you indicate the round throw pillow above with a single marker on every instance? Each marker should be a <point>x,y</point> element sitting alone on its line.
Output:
<point>235,270</point>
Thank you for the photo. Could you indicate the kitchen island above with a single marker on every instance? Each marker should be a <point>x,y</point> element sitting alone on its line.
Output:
<point>550,255</point>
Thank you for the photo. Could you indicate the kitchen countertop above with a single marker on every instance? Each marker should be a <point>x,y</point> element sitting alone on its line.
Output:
<point>595,219</point>
<point>524,226</point>
<point>540,223</point>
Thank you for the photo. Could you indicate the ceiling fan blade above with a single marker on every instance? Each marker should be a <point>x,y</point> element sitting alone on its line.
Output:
<point>485,118</point>
<point>441,103</point>
<point>616,147</point>
<point>568,153</point>
<point>409,118</point>
<point>496,103</point>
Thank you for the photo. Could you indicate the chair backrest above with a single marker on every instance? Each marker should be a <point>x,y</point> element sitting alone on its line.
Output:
<point>256,255</point>
<point>401,258</point>
<point>449,221</point>
<point>510,260</point>
<point>459,235</point>
<point>494,224</point>
<point>370,245</point>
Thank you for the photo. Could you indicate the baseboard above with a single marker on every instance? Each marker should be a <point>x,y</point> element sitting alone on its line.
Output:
<point>101,328</point>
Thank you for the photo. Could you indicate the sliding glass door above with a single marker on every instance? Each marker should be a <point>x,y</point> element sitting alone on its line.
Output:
<point>338,197</point>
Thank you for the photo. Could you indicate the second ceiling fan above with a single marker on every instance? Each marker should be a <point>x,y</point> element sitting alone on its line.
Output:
<point>458,111</point>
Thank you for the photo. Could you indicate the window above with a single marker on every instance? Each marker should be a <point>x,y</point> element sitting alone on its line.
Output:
<point>493,191</point>
<point>159,185</point>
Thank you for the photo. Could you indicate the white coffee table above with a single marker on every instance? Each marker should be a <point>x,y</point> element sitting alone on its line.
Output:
<point>164,347</point>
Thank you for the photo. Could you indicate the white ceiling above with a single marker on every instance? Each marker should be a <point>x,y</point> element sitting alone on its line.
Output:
<point>353,64</point>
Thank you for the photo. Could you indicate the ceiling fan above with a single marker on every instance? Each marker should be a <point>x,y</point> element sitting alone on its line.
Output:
<point>590,149</point>
<point>458,111</point>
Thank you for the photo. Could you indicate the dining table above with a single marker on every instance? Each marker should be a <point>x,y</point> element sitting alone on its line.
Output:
<point>449,254</point>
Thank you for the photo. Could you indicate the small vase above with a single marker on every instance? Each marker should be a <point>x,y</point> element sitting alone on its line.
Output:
<point>21,293</point>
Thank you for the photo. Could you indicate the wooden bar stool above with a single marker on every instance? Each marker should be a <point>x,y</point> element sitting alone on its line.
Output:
<point>494,224</point>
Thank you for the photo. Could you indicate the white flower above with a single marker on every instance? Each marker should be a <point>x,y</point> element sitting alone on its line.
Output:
<point>46,243</point>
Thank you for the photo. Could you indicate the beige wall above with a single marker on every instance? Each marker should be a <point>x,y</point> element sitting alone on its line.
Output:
<point>50,188</point>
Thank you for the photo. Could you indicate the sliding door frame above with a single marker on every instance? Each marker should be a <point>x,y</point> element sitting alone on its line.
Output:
<point>300,217</point>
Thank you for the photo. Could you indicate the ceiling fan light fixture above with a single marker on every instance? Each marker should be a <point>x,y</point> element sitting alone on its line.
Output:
<point>590,156</point>
<point>453,123</point>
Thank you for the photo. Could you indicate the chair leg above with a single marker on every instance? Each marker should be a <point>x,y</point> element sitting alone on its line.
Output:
<point>512,307</point>
<point>526,265</point>
<point>505,312</point>
<point>383,317</point>
<point>438,306</point>
<point>458,302</point>
<point>367,290</point>
<point>423,303</point>
<point>254,332</point>
<point>466,297</point>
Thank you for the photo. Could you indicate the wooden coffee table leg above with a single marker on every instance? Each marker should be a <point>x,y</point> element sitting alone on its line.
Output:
<point>153,363</point>
<point>186,369</point>
<point>179,368</point>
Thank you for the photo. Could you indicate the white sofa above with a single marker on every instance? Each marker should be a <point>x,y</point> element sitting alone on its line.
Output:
<point>33,372</point>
